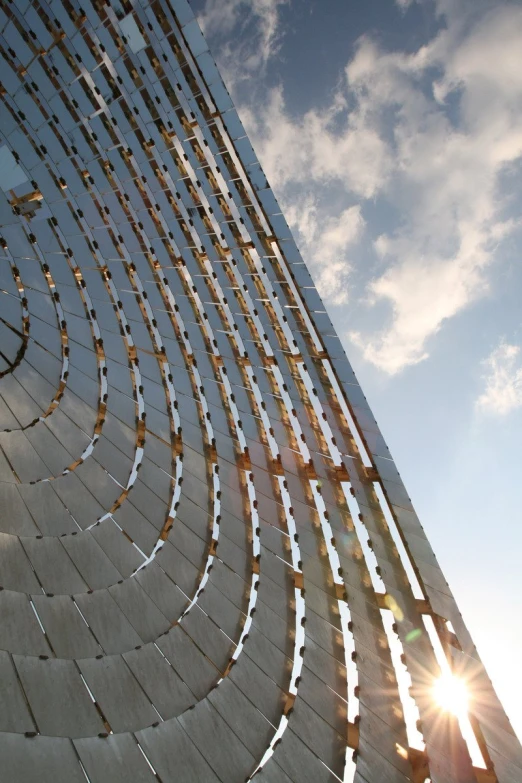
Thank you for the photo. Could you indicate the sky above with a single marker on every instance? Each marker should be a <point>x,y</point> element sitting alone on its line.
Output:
<point>391,133</point>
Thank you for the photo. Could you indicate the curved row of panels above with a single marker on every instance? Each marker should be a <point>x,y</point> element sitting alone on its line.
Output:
<point>209,567</point>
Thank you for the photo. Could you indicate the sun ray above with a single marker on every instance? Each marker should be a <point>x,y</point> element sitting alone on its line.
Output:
<point>451,695</point>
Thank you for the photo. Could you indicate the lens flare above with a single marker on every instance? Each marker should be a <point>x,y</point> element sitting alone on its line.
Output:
<point>394,607</point>
<point>413,635</point>
<point>451,695</point>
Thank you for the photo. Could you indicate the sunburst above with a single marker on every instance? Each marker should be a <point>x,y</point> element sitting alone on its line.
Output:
<point>451,695</point>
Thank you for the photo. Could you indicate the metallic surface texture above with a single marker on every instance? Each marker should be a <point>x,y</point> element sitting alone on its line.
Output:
<point>210,568</point>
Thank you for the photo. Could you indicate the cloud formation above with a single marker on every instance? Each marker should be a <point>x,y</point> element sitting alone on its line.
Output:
<point>325,240</point>
<point>323,147</point>
<point>503,381</point>
<point>240,57</point>
<point>429,134</point>
<point>450,149</point>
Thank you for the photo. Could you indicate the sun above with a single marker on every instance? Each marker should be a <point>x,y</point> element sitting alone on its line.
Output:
<point>451,694</point>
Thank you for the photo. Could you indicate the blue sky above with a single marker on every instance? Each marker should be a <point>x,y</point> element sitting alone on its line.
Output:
<point>391,133</point>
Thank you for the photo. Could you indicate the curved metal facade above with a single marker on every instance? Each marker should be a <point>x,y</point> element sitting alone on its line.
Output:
<point>209,565</point>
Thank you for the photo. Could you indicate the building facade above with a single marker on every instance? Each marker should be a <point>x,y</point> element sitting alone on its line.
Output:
<point>210,568</point>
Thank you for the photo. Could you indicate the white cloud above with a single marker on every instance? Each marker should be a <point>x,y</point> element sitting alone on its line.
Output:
<point>240,57</point>
<point>312,148</point>
<point>325,240</point>
<point>447,174</point>
<point>503,381</point>
<point>430,134</point>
